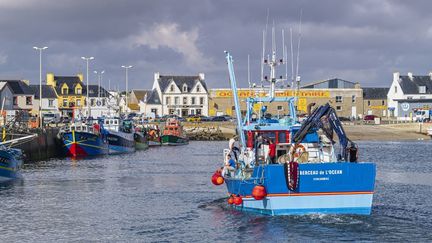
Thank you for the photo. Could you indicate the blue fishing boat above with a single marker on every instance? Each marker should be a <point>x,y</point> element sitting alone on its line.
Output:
<point>11,159</point>
<point>10,163</point>
<point>120,135</point>
<point>285,167</point>
<point>84,139</point>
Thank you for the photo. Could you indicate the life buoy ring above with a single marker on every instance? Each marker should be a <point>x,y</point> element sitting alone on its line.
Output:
<point>298,150</point>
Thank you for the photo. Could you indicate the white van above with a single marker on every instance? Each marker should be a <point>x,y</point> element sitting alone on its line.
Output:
<point>51,118</point>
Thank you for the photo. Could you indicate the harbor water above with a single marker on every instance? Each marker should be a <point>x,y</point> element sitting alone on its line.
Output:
<point>165,194</point>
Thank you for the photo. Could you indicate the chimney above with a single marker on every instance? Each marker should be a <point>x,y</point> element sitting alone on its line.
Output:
<point>430,75</point>
<point>410,76</point>
<point>50,79</point>
<point>80,76</point>
<point>26,81</point>
<point>396,76</point>
<point>201,76</point>
<point>156,76</point>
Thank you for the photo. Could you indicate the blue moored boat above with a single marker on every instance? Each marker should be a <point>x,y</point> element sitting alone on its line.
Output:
<point>306,175</point>
<point>120,135</point>
<point>10,163</point>
<point>84,139</point>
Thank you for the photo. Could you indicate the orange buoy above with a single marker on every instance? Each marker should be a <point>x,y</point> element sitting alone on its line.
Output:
<point>238,200</point>
<point>217,178</point>
<point>259,192</point>
<point>230,200</point>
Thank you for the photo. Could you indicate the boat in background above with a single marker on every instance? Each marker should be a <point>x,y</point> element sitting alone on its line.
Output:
<point>153,134</point>
<point>84,139</point>
<point>120,135</point>
<point>284,167</point>
<point>11,159</point>
<point>173,133</point>
<point>141,138</point>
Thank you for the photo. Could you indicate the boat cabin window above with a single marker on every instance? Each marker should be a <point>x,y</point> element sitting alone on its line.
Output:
<point>282,137</point>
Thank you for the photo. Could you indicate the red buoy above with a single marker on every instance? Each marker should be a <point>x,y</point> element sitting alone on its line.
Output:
<point>238,200</point>
<point>217,178</point>
<point>230,200</point>
<point>259,192</point>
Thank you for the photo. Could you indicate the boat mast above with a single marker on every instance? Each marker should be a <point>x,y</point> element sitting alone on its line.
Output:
<point>236,99</point>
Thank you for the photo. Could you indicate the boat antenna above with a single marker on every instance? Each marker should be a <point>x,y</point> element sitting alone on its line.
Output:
<point>284,56</point>
<point>292,61</point>
<point>248,75</point>
<point>298,52</point>
<point>263,61</point>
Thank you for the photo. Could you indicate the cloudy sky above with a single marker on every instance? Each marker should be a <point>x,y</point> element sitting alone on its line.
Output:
<point>362,41</point>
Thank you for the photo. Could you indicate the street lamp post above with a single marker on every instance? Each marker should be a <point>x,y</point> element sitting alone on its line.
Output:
<point>87,59</point>
<point>99,74</point>
<point>40,49</point>
<point>126,69</point>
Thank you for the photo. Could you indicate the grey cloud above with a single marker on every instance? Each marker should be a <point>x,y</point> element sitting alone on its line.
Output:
<point>355,40</point>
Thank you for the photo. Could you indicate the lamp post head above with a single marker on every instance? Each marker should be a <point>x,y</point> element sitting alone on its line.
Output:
<point>123,66</point>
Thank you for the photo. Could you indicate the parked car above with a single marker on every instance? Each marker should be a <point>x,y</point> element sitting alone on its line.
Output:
<point>369,117</point>
<point>193,118</point>
<point>65,119</point>
<point>205,118</point>
<point>50,118</point>
<point>219,118</point>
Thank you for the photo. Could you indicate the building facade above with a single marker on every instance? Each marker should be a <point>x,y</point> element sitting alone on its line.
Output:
<point>409,93</point>
<point>180,95</point>
<point>71,92</point>
<point>49,100</point>
<point>345,96</point>
<point>375,101</point>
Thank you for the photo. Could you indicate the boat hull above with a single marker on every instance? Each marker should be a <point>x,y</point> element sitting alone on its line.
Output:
<point>82,144</point>
<point>120,142</point>
<point>173,140</point>
<point>329,188</point>
<point>154,143</point>
<point>9,165</point>
<point>141,142</point>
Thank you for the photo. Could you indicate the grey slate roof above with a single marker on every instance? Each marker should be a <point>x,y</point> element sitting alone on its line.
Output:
<point>153,98</point>
<point>19,87</point>
<point>47,91</point>
<point>93,91</point>
<point>190,81</point>
<point>412,86</point>
<point>333,83</point>
<point>71,82</point>
<point>375,93</point>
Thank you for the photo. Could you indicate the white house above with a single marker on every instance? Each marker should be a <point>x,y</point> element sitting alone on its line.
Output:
<point>102,103</point>
<point>408,94</point>
<point>180,95</point>
<point>49,99</point>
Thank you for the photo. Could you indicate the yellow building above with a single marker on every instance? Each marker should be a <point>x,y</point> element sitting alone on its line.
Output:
<point>71,92</point>
<point>345,96</point>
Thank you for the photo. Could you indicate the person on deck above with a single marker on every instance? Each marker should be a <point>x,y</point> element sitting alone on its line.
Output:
<point>233,148</point>
<point>272,151</point>
<point>230,166</point>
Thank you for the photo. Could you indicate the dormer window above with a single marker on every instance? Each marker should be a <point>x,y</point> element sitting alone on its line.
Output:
<point>184,88</point>
<point>395,89</point>
<point>65,91</point>
<point>422,89</point>
<point>198,88</point>
<point>79,91</point>
<point>172,88</point>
